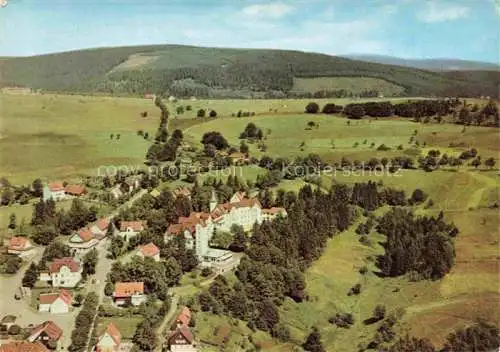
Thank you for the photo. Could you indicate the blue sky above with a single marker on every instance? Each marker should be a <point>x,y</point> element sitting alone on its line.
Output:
<point>464,29</point>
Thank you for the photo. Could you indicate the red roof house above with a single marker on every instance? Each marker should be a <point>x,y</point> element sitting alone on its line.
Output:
<point>23,346</point>
<point>75,190</point>
<point>184,316</point>
<point>46,332</point>
<point>20,245</point>
<point>149,251</point>
<point>109,340</point>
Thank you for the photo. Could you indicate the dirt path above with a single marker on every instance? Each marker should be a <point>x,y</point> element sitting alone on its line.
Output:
<point>160,332</point>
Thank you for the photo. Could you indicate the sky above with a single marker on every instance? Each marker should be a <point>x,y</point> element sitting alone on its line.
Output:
<point>459,29</point>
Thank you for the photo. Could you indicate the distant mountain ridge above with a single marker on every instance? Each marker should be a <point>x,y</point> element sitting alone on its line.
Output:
<point>222,72</point>
<point>428,64</point>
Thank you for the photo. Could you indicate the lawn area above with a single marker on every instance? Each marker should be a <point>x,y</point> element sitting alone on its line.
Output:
<point>126,325</point>
<point>335,138</point>
<point>57,136</point>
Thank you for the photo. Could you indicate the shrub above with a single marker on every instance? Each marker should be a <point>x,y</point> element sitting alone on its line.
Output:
<point>213,113</point>
<point>312,108</point>
<point>418,196</point>
<point>331,108</point>
<point>354,111</point>
<point>201,113</point>
<point>14,330</point>
<point>355,290</point>
<point>383,147</point>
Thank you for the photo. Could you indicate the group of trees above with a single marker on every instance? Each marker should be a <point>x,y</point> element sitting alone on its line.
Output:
<point>48,222</point>
<point>164,148</point>
<point>252,131</point>
<point>83,323</point>
<point>278,252</point>
<point>216,139</point>
<point>19,194</point>
<point>422,246</point>
<point>144,336</point>
<point>9,264</point>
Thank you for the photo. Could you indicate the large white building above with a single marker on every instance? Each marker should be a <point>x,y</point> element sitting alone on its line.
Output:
<point>199,228</point>
<point>63,272</point>
<point>54,190</point>
<point>55,302</point>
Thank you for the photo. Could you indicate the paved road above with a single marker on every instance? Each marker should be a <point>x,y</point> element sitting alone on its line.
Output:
<point>161,331</point>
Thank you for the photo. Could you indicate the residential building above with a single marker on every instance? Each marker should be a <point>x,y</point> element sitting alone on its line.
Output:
<point>109,340</point>
<point>20,246</point>
<point>99,229</point>
<point>54,190</point>
<point>129,229</point>
<point>273,213</point>
<point>75,190</point>
<point>184,317</point>
<point>129,293</point>
<point>23,346</point>
<point>63,272</point>
<point>46,332</point>
<point>55,302</point>
<point>82,241</point>
<point>149,251</point>
<point>181,340</point>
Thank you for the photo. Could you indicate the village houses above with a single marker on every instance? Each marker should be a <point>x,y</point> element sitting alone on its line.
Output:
<point>20,246</point>
<point>48,333</point>
<point>109,340</point>
<point>54,190</point>
<point>181,338</point>
<point>129,293</point>
<point>149,250</point>
<point>129,229</point>
<point>62,272</point>
<point>82,241</point>
<point>23,346</point>
<point>99,229</point>
<point>55,302</point>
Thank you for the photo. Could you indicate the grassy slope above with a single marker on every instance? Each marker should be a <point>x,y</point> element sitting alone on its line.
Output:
<point>289,131</point>
<point>356,85</point>
<point>87,70</point>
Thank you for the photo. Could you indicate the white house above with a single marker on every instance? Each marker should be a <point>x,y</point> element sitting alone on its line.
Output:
<point>55,302</point>
<point>273,213</point>
<point>129,293</point>
<point>129,229</point>
<point>82,241</point>
<point>63,272</point>
<point>54,190</point>
<point>109,340</point>
<point>20,246</point>
<point>149,251</point>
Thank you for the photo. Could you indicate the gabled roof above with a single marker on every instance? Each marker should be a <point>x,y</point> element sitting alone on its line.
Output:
<point>149,250</point>
<point>238,197</point>
<point>50,328</point>
<point>23,346</point>
<point>85,234</point>
<point>69,262</point>
<point>56,186</point>
<point>274,210</point>
<point>185,332</point>
<point>76,190</point>
<point>102,224</point>
<point>112,331</point>
<point>134,225</point>
<point>19,243</point>
<point>127,289</point>
<point>50,298</point>
<point>184,316</point>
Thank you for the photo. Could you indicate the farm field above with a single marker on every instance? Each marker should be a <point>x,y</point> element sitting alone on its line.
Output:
<point>290,136</point>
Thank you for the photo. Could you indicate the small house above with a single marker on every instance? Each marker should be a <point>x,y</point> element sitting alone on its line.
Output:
<point>55,302</point>
<point>48,333</point>
<point>100,228</point>
<point>182,340</point>
<point>273,213</point>
<point>129,293</point>
<point>82,241</point>
<point>129,229</point>
<point>149,251</point>
<point>63,272</point>
<point>20,246</point>
<point>75,190</point>
<point>54,190</point>
<point>23,346</point>
<point>184,317</point>
<point>109,340</point>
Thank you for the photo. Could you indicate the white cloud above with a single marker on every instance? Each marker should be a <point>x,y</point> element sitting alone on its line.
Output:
<point>436,12</point>
<point>270,10</point>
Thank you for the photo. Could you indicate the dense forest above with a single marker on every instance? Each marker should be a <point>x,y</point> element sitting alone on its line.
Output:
<point>213,72</point>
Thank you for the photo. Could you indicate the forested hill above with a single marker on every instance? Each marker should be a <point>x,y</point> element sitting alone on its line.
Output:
<point>216,72</point>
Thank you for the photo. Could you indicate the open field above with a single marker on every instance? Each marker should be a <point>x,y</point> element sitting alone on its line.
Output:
<point>335,138</point>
